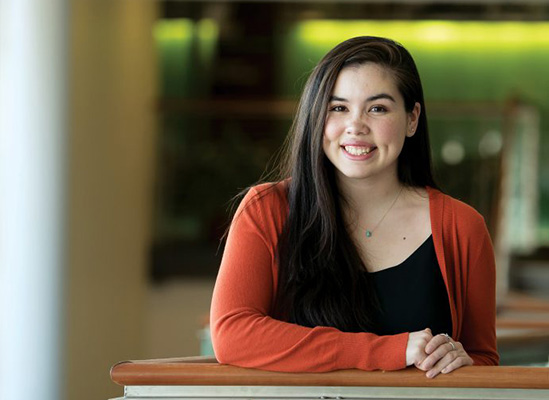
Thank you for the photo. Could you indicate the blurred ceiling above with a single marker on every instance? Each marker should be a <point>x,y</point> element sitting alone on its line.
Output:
<point>285,10</point>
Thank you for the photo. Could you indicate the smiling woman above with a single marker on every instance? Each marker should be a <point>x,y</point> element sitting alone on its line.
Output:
<point>354,258</point>
<point>367,120</point>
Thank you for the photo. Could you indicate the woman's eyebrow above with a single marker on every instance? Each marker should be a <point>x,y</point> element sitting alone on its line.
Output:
<point>371,98</point>
<point>381,96</point>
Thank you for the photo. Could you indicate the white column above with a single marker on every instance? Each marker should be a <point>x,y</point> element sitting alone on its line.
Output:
<point>32,155</point>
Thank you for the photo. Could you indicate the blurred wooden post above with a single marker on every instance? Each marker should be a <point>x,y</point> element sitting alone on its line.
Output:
<point>517,222</point>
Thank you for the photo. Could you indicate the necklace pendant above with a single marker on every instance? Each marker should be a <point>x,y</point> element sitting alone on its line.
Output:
<point>368,233</point>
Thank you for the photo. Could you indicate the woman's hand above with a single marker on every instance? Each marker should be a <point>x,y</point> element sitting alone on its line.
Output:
<point>443,355</point>
<point>417,343</point>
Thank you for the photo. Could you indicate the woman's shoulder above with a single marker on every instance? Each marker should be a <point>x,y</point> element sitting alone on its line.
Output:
<point>266,200</point>
<point>272,189</point>
<point>461,213</point>
<point>267,193</point>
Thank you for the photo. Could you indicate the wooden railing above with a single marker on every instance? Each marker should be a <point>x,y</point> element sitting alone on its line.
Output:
<point>200,377</point>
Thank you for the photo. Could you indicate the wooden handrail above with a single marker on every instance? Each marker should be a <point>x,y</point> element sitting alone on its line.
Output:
<point>206,371</point>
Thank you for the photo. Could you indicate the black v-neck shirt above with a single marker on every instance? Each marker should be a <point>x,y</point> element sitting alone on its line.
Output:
<point>412,295</point>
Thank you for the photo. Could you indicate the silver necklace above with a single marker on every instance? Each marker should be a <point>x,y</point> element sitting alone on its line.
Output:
<point>370,232</point>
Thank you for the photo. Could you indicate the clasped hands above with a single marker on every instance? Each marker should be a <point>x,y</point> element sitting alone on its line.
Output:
<point>435,354</point>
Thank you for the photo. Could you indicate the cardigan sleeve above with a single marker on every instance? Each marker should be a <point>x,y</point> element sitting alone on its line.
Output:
<point>478,335</point>
<point>243,332</point>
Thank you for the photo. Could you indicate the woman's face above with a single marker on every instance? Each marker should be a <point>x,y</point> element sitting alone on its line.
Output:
<point>366,123</point>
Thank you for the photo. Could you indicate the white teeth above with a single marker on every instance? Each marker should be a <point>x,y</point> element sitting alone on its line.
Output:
<point>358,150</point>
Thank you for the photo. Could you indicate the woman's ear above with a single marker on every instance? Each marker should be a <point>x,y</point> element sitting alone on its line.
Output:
<point>413,120</point>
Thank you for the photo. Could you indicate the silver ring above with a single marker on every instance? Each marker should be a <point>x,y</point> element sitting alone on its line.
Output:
<point>453,345</point>
<point>448,338</point>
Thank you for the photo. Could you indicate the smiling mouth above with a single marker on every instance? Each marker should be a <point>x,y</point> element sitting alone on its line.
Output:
<point>359,150</point>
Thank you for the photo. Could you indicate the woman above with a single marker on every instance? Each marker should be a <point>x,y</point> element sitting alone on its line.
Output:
<point>354,259</point>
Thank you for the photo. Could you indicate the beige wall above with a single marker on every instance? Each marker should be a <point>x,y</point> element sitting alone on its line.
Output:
<point>174,316</point>
<point>111,158</point>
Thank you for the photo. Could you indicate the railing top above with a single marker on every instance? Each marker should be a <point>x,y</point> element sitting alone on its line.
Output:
<point>206,371</point>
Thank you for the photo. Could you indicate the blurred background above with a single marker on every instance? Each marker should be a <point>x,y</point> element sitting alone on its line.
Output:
<point>127,126</point>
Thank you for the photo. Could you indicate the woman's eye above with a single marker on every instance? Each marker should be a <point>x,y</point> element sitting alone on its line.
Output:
<point>337,108</point>
<point>378,109</point>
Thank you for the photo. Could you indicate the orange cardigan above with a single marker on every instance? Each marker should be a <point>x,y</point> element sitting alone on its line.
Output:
<point>244,333</point>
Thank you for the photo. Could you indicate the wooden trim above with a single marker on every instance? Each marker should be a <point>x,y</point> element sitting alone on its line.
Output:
<point>247,108</point>
<point>515,301</point>
<point>179,372</point>
<point>520,323</point>
<point>523,337</point>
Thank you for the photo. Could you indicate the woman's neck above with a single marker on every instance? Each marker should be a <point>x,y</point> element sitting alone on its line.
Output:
<point>367,197</point>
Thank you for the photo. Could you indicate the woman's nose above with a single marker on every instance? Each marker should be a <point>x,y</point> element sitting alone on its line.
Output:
<point>356,124</point>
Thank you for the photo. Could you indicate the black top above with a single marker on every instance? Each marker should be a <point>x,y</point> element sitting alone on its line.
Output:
<point>412,295</point>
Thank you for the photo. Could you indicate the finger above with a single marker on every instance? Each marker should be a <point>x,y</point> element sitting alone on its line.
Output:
<point>428,332</point>
<point>415,348</point>
<point>435,342</point>
<point>428,336</point>
<point>436,356</point>
<point>443,363</point>
<point>419,362</point>
<point>457,363</point>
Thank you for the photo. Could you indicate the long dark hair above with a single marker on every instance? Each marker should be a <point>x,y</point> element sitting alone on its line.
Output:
<point>322,280</point>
